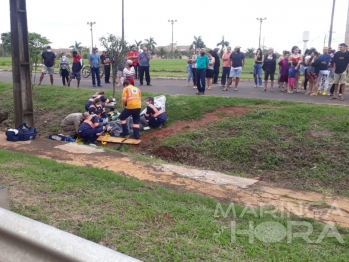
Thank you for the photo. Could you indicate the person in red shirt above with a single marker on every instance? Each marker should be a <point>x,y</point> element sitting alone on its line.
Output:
<point>133,55</point>
<point>76,68</point>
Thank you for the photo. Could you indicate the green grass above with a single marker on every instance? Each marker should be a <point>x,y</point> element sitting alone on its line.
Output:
<point>278,141</point>
<point>148,221</point>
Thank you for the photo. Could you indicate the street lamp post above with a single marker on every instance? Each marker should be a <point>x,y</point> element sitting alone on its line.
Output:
<point>260,29</point>
<point>172,22</point>
<point>330,35</point>
<point>91,24</point>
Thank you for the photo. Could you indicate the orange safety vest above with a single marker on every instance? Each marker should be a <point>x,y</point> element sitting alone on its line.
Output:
<point>89,121</point>
<point>93,105</point>
<point>132,97</point>
<point>156,111</point>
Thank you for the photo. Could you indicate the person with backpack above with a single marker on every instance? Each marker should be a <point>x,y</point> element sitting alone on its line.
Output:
<point>76,68</point>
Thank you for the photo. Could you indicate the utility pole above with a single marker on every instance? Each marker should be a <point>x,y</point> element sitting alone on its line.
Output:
<point>91,24</point>
<point>22,84</point>
<point>330,35</point>
<point>172,22</point>
<point>123,32</point>
<point>260,29</point>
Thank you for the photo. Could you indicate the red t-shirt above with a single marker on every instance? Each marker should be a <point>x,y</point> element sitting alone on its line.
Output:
<point>76,58</point>
<point>134,60</point>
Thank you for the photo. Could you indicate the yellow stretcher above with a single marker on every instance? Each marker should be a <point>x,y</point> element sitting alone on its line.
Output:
<point>118,140</point>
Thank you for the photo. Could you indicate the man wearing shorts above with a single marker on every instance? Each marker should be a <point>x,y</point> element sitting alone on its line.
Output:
<point>341,66</point>
<point>238,63</point>
<point>48,61</point>
<point>76,68</point>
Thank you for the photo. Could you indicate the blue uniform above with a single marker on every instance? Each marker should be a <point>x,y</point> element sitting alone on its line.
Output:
<point>87,131</point>
<point>90,101</point>
<point>155,115</point>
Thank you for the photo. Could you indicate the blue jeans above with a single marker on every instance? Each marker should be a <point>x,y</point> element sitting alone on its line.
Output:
<point>257,73</point>
<point>201,79</point>
<point>95,73</point>
<point>190,74</point>
<point>225,74</point>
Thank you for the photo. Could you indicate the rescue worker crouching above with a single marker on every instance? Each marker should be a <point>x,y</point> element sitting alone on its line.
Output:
<point>132,101</point>
<point>99,95</point>
<point>97,105</point>
<point>155,115</point>
<point>70,124</point>
<point>91,128</point>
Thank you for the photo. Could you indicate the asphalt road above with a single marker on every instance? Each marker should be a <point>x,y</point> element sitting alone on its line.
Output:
<point>160,86</point>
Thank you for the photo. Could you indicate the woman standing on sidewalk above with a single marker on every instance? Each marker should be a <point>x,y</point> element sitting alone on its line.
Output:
<point>226,66</point>
<point>210,70</point>
<point>64,70</point>
<point>295,57</point>
<point>190,67</point>
<point>257,68</point>
<point>269,67</point>
<point>313,72</point>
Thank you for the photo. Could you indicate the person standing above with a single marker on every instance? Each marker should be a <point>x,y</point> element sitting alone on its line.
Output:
<point>64,68</point>
<point>189,68</point>
<point>257,68</point>
<point>210,70</point>
<point>238,63</point>
<point>133,56</point>
<point>193,68</point>
<point>226,66</point>
<point>132,102</point>
<point>341,66</point>
<point>95,61</point>
<point>202,62</point>
<point>217,65</point>
<point>269,67</point>
<point>284,71</point>
<point>143,60</point>
<point>105,60</point>
<point>295,57</point>
<point>48,61</point>
<point>76,68</point>
<point>325,60</point>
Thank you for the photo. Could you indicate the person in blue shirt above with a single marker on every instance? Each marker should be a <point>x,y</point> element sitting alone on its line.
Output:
<point>91,128</point>
<point>95,61</point>
<point>292,72</point>
<point>324,60</point>
<point>143,60</point>
<point>155,115</point>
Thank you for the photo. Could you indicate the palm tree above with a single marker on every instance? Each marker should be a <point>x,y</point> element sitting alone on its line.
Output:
<point>138,43</point>
<point>197,43</point>
<point>76,46</point>
<point>162,52</point>
<point>150,43</point>
<point>249,52</point>
<point>223,43</point>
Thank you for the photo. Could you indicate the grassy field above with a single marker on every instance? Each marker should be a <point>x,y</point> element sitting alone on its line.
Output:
<point>292,144</point>
<point>158,67</point>
<point>148,221</point>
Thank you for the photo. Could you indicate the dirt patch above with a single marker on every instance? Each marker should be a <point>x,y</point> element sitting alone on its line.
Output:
<point>186,126</point>
<point>295,200</point>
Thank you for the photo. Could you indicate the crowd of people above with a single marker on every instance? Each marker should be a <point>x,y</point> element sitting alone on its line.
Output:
<point>203,70</point>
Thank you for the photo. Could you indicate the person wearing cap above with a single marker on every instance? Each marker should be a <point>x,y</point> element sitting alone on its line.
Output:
<point>95,62</point>
<point>70,124</point>
<point>238,63</point>
<point>217,65</point>
<point>48,61</point>
<point>105,60</point>
<point>341,66</point>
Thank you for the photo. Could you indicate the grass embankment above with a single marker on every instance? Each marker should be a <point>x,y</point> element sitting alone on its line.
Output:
<point>148,221</point>
<point>298,145</point>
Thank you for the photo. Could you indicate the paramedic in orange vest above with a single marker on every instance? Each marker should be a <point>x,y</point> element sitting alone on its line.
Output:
<point>132,101</point>
<point>91,128</point>
<point>155,116</point>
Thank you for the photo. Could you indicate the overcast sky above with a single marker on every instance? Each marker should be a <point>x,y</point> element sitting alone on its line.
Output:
<point>65,21</point>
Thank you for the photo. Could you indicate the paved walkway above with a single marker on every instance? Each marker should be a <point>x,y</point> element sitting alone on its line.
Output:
<point>161,86</point>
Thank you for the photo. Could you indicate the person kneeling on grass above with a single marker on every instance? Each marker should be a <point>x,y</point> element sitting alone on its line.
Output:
<point>155,115</point>
<point>132,101</point>
<point>91,128</point>
<point>70,124</point>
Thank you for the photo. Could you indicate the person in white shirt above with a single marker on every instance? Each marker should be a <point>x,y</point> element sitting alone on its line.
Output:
<point>129,72</point>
